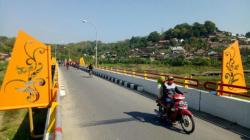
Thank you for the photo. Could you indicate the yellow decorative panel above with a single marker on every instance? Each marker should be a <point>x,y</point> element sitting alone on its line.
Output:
<point>82,62</point>
<point>232,69</point>
<point>26,82</point>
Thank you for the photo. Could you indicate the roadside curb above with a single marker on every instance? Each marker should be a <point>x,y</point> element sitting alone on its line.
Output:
<point>126,84</point>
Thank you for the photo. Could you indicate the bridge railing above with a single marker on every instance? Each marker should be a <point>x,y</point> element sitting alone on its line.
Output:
<point>53,128</point>
<point>185,81</point>
<point>220,90</point>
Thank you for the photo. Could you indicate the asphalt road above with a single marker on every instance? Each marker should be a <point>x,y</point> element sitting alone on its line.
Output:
<point>96,109</point>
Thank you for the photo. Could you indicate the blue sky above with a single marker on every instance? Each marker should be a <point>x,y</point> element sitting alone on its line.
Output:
<point>58,21</point>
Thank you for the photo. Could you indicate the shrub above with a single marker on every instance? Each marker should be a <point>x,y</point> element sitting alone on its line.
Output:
<point>200,61</point>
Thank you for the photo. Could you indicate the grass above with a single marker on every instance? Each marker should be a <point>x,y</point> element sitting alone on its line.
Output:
<point>10,123</point>
<point>181,70</point>
<point>15,124</point>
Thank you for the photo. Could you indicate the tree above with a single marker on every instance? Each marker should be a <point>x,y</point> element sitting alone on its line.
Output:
<point>199,30</point>
<point>210,27</point>
<point>214,39</point>
<point>176,61</point>
<point>248,34</point>
<point>169,34</point>
<point>138,42</point>
<point>154,37</point>
<point>183,31</point>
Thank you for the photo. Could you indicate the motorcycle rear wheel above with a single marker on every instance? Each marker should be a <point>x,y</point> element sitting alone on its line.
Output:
<point>187,124</point>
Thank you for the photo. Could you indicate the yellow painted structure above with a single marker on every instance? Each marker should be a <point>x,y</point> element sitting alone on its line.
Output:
<point>27,79</point>
<point>50,71</point>
<point>52,114</point>
<point>145,75</point>
<point>53,60</point>
<point>232,69</point>
<point>124,71</point>
<point>133,73</point>
<point>54,84</point>
<point>82,62</point>
<point>186,82</point>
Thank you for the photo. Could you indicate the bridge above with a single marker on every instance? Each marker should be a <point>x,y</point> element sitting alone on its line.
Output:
<point>94,108</point>
<point>114,104</point>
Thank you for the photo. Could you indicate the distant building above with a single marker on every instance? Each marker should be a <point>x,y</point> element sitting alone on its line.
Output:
<point>200,52</point>
<point>103,56</point>
<point>242,37</point>
<point>178,50</point>
<point>212,53</point>
<point>163,41</point>
<point>181,40</point>
<point>4,56</point>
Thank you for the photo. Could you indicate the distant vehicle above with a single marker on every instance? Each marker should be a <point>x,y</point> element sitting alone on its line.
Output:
<point>90,73</point>
<point>90,70</point>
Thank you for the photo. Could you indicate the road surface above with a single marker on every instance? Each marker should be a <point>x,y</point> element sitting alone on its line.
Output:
<point>96,109</point>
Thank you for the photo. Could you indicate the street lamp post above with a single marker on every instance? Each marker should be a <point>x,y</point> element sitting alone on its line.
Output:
<point>85,21</point>
<point>55,50</point>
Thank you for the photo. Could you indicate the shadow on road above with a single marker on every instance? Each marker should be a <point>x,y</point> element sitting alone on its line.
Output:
<point>152,119</point>
<point>233,127</point>
<point>84,76</point>
<point>106,122</point>
<point>135,116</point>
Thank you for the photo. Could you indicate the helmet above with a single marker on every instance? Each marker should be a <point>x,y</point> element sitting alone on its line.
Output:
<point>170,78</point>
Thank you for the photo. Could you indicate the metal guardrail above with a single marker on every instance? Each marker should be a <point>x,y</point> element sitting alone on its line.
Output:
<point>153,75</point>
<point>185,81</point>
<point>53,128</point>
<point>207,84</point>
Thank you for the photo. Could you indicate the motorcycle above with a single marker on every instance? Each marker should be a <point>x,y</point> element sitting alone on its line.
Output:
<point>90,73</point>
<point>176,110</point>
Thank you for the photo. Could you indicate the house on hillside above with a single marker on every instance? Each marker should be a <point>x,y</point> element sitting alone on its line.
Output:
<point>4,56</point>
<point>215,55</point>
<point>178,50</point>
<point>243,40</point>
<point>103,56</point>
<point>200,52</point>
<point>163,41</point>
<point>159,56</point>
<point>212,53</point>
<point>143,52</point>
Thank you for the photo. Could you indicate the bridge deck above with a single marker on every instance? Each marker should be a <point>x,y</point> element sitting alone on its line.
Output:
<point>95,109</point>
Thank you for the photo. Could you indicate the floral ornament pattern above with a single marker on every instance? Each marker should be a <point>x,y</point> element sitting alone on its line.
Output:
<point>31,69</point>
<point>231,66</point>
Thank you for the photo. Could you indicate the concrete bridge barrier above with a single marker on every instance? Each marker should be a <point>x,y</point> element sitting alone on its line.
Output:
<point>231,109</point>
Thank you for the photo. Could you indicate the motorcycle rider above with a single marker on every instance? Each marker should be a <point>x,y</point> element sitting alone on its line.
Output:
<point>169,89</point>
<point>90,67</point>
<point>170,85</point>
